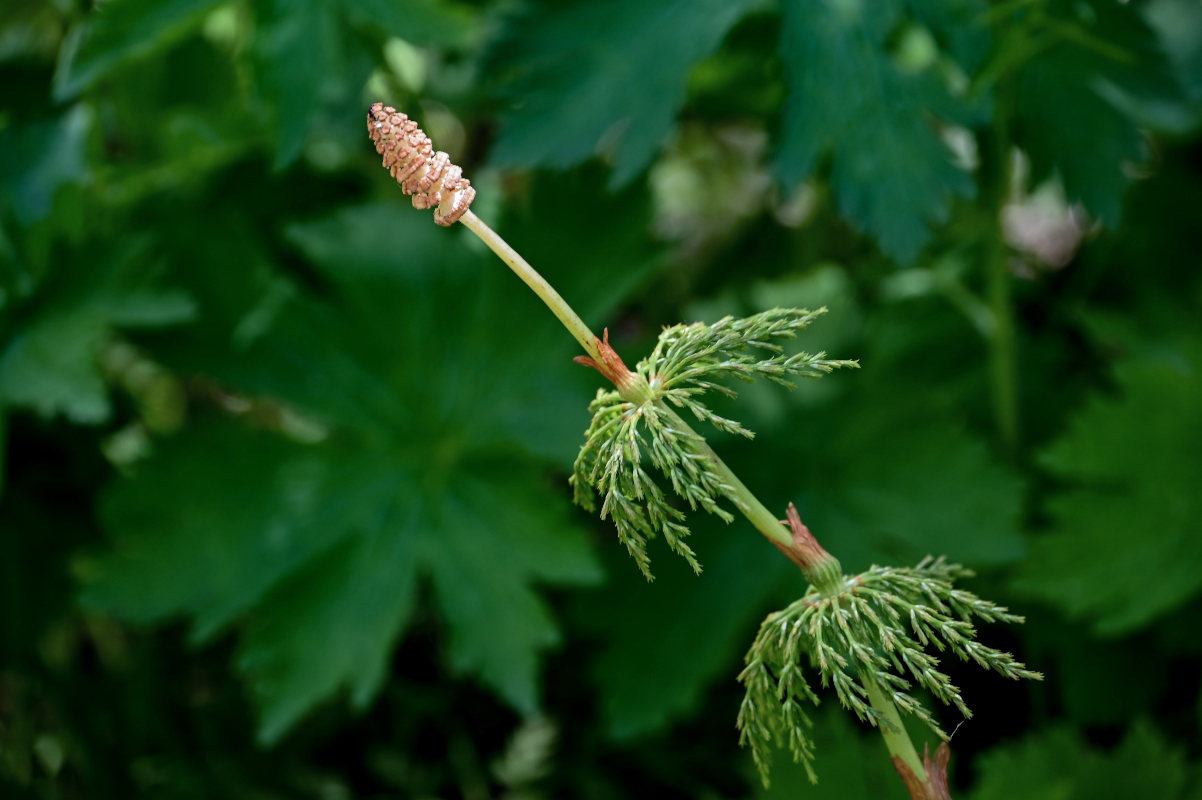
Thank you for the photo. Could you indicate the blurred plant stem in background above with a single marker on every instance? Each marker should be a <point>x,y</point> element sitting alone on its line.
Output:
<point>997,177</point>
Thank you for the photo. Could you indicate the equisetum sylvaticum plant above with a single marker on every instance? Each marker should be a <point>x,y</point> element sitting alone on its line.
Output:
<point>872,637</point>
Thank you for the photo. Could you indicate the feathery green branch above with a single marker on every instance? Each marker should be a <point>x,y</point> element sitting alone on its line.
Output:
<point>624,437</point>
<point>877,631</point>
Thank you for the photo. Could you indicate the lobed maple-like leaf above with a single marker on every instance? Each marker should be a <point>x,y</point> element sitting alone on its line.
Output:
<point>1126,542</point>
<point>604,78</point>
<point>406,471</point>
<point>891,174</point>
<point>1099,61</point>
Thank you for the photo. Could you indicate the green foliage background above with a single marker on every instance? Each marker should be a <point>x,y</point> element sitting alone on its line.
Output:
<point>285,510</point>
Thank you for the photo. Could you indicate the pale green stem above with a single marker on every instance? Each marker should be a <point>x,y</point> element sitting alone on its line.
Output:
<point>756,512</point>
<point>536,282</point>
<point>896,739</point>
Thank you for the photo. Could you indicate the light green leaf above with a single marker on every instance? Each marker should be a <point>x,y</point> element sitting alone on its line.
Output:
<point>891,174</point>
<point>605,78</point>
<point>51,367</point>
<point>121,31</point>
<point>959,26</point>
<point>1126,545</point>
<point>1178,26</point>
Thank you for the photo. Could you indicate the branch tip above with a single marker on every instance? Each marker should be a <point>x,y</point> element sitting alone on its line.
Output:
<point>805,551</point>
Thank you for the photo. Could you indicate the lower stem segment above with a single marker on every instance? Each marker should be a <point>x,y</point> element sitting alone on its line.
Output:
<point>819,567</point>
<point>893,731</point>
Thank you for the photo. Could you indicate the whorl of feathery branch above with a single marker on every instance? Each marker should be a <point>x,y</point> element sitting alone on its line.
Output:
<point>427,175</point>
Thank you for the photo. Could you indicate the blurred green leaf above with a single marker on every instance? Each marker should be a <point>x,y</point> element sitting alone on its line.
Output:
<point>1104,58</point>
<point>51,360</point>
<point>1058,765</point>
<point>1178,26</point>
<point>1094,677</point>
<point>1127,543</point>
<point>500,533</point>
<point>891,174</point>
<point>306,537</point>
<point>907,492</point>
<point>605,78</point>
<point>299,649</point>
<point>261,505</point>
<point>310,71</point>
<point>122,31</point>
<point>959,27</point>
<point>669,641</point>
<point>418,21</point>
<point>36,160</point>
<point>51,366</point>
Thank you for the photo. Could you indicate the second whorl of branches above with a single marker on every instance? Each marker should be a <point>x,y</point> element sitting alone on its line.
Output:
<point>429,176</point>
